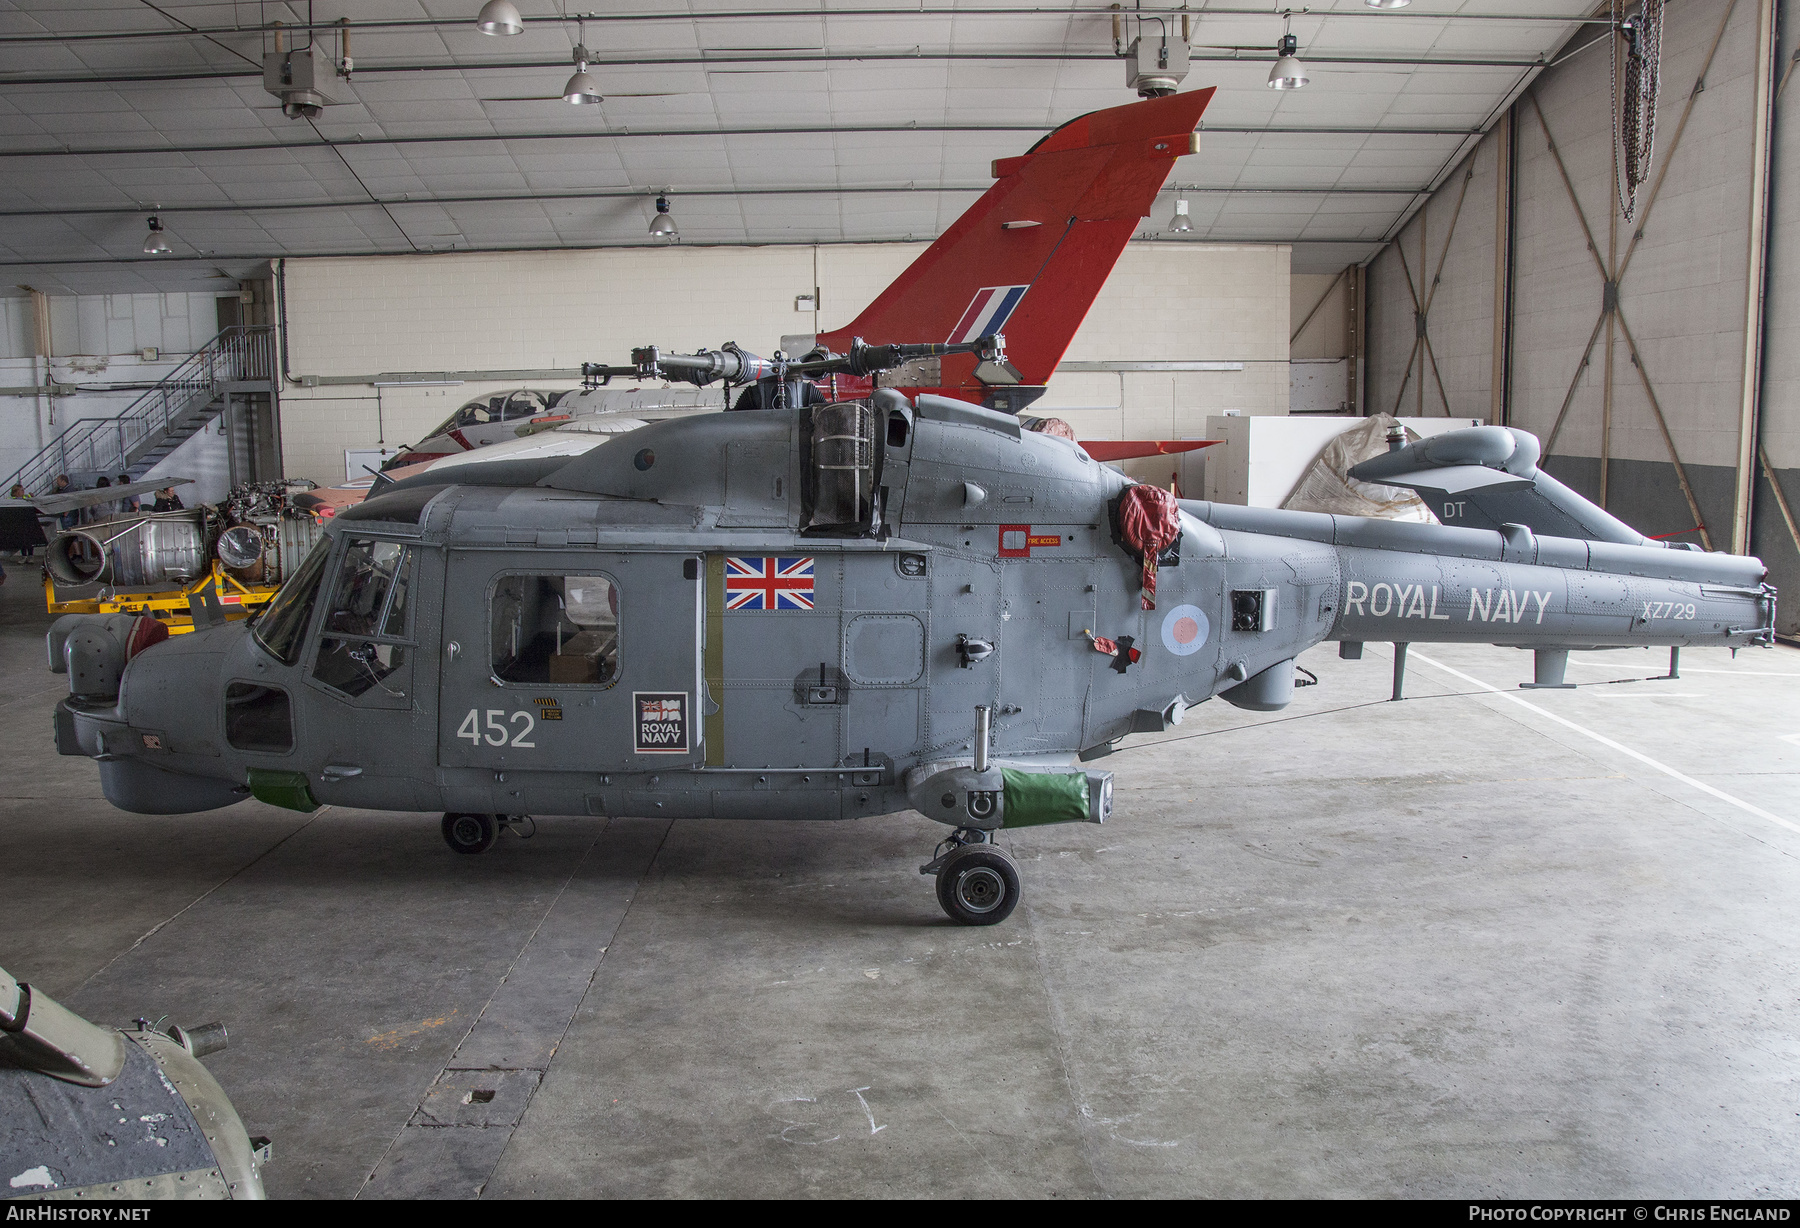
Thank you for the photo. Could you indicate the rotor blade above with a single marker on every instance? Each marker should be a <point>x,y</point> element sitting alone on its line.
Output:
<point>559,97</point>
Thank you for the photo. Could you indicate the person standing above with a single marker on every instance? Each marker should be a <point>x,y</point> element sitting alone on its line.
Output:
<point>19,527</point>
<point>129,503</point>
<point>167,501</point>
<point>63,486</point>
<point>101,511</point>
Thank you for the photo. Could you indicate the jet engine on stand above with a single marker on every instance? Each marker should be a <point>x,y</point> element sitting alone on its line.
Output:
<point>231,555</point>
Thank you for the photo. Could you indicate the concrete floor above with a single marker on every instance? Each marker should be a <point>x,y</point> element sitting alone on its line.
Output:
<point>1451,947</point>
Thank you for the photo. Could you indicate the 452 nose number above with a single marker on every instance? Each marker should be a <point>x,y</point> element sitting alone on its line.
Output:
<point>500,730</point>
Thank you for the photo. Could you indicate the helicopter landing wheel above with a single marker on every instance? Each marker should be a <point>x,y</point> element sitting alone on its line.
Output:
<point>470,833</point>
<point>977,885</point>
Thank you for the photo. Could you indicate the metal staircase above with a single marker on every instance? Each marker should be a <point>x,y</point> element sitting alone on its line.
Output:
<point>180,406</point>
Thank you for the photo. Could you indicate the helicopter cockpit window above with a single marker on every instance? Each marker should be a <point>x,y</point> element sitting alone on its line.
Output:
<point>555,629</point>
<point>843,467</point>
<point>366,617</point>
<point>281,624</point>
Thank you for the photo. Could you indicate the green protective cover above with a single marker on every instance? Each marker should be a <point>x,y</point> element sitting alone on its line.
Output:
<point>285,789</point>
<point>1034,798</point>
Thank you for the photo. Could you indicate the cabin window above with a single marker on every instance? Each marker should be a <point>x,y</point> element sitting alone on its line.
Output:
<point>258,718</point>
<point>283,622</point>
<point>368,613</point>
<point>370,596</point>
<point>356,666</point>
<point>843,467</point>
<point>555,630</point>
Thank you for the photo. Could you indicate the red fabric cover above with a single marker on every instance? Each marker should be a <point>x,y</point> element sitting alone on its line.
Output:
<point>1149,522</point>
<point>1110,648</point>
<point>145,631</point>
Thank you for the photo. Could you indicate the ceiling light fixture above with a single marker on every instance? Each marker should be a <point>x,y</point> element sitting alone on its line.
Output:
<point>1387,4</point>
<point>662,226</point>
<point>500,18</point>
<point>1179,225</point>
<point>1289,73</point>
<point>581,89</point>
<point>154,243</point>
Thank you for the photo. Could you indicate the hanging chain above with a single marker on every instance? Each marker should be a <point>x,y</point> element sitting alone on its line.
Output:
<point>1634,116</point>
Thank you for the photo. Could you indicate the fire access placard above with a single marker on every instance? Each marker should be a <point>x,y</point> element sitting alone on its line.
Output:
<point>661,722</point>
<point>1017,541</point>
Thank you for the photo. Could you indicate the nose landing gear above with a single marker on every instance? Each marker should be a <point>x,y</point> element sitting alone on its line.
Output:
<point>470,833</point>
<point>476,833</point>
<point>977,884</point>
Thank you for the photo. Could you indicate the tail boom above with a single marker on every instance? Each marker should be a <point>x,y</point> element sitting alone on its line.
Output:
<point>1417,583</point>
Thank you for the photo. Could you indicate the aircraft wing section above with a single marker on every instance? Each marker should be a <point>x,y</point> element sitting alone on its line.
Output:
<point>54,505</point>
<point>1130,449</point>
<point>1457,480</point>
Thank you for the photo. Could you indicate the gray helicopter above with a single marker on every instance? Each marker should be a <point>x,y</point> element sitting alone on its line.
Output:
<point>834,610</point>
<point>104,1114</point>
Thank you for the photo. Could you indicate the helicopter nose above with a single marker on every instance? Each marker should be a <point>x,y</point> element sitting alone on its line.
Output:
<point>171,693</point>
<point>135,706</point>
<point>170,701</point>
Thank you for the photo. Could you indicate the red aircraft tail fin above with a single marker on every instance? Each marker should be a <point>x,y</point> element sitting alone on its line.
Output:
<point>1029,257</point>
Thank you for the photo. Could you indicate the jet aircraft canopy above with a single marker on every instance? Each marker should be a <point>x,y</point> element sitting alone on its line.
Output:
<point>503,407</point>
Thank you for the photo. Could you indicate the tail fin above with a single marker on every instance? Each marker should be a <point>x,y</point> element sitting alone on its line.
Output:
<point>1487,476</point>
<point>1029,257</point>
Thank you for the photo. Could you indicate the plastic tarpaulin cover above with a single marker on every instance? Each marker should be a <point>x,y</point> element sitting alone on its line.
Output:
<point>1325,488</point>
<point>1034,798</point>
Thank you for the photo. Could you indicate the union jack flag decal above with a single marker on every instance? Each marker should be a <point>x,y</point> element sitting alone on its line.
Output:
<point>768,584</point>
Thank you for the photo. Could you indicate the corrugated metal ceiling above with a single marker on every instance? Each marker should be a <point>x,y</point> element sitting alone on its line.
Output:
<point>766,122</point>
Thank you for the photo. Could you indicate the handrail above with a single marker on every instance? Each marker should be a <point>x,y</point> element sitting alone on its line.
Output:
<point>109,445</point>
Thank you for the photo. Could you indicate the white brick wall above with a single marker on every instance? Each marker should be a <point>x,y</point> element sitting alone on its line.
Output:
<point>1324,336</point>
<point>114,327</point>
<point>361,316</point>
<point>1200,302</point>
<point>111,324</point>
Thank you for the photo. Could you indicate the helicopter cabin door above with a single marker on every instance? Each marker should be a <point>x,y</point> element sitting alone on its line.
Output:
<point>362,671</point>
<point>570,662</point>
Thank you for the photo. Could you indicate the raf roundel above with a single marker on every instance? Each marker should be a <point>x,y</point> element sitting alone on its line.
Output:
<point>1184,630</point>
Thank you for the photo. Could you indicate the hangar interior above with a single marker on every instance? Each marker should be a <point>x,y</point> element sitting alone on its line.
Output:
<point>1477,943</point>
